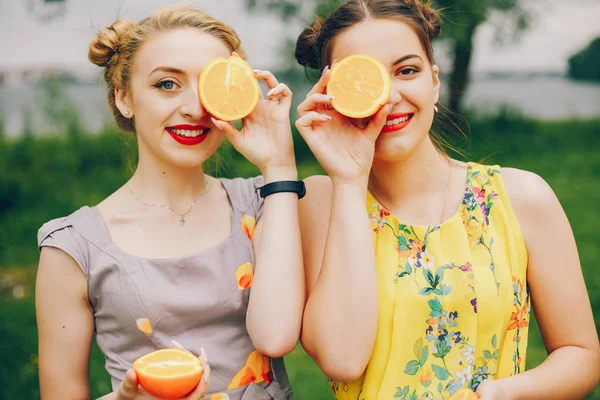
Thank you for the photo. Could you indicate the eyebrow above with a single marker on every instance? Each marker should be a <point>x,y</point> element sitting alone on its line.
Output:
<point>172,70</point>
<point>407,57</point>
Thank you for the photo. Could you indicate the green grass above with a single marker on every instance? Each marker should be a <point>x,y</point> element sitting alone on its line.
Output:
<point>48,178</point>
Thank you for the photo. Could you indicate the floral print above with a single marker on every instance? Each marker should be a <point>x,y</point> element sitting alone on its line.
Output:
<point>244,275</point>
<point>256,370</point>
<point>248,225</point>
<point>453,299</point>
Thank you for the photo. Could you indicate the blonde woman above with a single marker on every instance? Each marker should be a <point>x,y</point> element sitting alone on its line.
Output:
<point>175,255</point>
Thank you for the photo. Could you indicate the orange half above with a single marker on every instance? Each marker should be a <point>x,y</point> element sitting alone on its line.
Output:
<point>464,394</point>
<point>168,373</point>
<point>228,88</point>
<point>360,85</point>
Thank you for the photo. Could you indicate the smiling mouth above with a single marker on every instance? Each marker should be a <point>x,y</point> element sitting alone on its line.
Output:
<point>188,135</point>
<point>398,120</point>
<point>397,123</point>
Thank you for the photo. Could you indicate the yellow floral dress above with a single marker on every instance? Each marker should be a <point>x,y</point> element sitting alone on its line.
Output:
<point>453,299</point>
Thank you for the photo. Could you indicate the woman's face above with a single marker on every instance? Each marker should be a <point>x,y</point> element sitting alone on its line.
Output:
<point>415,82</point>
<point>170,122</point>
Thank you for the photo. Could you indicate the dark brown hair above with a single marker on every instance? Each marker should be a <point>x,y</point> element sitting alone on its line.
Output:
<point>314,45</point>
<point>115,48</point>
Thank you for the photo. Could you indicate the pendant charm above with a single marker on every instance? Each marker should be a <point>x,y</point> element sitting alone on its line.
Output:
<point>182,220</point>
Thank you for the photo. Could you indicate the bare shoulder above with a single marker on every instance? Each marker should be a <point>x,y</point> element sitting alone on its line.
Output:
<point>533,201</point>
<point>527,190</point>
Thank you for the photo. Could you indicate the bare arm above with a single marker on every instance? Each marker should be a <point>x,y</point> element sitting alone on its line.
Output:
<point>65,327</point>
<point>340,319</point>
<point>559,297</point>
<point>277,298</point>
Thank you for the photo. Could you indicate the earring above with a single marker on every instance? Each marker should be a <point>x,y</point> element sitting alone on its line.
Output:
<point>435,108</point>
<point>126,113</point>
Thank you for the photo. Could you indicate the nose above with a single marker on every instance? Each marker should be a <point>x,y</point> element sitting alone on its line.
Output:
<point>191,107</point>
<point>395,95</point>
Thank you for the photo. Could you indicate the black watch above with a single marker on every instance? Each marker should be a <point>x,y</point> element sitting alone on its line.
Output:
<point>283,186</point>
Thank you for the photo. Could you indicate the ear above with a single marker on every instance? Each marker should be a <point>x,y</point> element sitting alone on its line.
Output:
<point>435,71</point>
<point>123,102</point>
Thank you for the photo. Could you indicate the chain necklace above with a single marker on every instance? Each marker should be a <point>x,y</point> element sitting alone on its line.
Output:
<point>372,190</point>
<point>182,215</point>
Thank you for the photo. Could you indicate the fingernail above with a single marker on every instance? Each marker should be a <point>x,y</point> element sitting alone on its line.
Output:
<point>334,62</point>
<point>329,97</point>
<point>270,92</point>
<point>214,121</point>
<point>325,70</point>
<point>207,374</point>
<point>203,355</point>
<point>177,344</point>
<point>325,116</point>
<point>258,71</point>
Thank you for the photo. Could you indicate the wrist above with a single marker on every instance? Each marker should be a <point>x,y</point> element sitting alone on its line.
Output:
<point>280,173</point>
<point>358,183</point>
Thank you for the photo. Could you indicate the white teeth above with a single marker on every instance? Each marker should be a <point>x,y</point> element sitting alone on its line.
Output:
<point>188,133</point>
<point>397,120</point>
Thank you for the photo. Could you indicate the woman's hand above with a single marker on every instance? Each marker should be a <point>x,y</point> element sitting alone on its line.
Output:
<point>344,147</point>
<point>266,135</point>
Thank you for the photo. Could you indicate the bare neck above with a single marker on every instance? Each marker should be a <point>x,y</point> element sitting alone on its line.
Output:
<point>160,182</point>
<point>415,187</point>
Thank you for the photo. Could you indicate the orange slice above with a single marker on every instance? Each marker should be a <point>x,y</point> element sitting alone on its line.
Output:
<point>228,88</point>
<point>464,394</point>
<point>168,373</point>
<point>360,85</point>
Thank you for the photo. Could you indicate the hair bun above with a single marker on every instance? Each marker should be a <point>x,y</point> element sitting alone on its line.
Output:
<point>432,19</point>
<point>106,44</point>
<point>306,52</point>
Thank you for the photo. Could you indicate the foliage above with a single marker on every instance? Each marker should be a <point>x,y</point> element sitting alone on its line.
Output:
<point>585,65</point>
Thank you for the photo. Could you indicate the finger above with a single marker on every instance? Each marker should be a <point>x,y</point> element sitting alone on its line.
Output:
<point>202,388</point>
<point>374,128</point>
<point>266,76</point>
<point>178,345</point>
<point>306,125</point>
<point>226,127</point>
<point>206,365</point>
<point>128,388</point>
<point>313,101</point>
<point>198,393</point>
<point>308,119</point>
<point>321,85</point>
<point>280,90</point>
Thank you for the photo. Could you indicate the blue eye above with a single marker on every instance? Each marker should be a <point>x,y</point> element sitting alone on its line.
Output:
<point>166,84</point>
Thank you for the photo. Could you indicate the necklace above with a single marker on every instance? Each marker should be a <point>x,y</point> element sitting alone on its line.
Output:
<point>182,215</point>
<point>372,190</point>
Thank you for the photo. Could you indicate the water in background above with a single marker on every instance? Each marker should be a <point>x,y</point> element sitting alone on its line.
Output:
<point>542,97</point>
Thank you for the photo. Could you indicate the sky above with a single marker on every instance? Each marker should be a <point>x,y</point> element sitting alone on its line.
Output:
<point>559,29</point>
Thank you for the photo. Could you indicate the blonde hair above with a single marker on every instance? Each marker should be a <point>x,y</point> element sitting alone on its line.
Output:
<point>115,48</point>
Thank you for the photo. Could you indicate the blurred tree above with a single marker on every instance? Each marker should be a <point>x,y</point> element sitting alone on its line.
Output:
<point>585,65</point>
<point>462,18</point>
